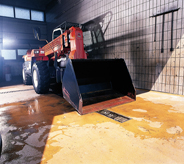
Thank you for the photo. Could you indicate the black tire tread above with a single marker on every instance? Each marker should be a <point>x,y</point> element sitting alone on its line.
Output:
<point>43,77</point>
<point>0,145</point>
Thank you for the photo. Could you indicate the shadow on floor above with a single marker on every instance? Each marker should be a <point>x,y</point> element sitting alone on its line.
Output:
<point>37,116</point>
<point>141,91</point>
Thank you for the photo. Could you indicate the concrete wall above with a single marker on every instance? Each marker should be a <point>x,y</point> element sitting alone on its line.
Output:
<point>130,35</point>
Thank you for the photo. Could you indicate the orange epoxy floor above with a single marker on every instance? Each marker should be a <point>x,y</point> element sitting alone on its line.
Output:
<point>46,129</point>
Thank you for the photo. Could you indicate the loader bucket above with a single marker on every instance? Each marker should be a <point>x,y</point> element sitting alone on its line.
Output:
<point>95,84</point>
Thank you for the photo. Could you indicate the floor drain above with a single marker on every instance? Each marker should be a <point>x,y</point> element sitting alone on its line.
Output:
<point>113,115</point>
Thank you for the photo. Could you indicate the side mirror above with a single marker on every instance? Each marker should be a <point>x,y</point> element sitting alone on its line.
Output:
<point>37,33</point>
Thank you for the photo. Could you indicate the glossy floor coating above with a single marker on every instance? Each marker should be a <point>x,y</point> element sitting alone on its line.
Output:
<point>46,129</point>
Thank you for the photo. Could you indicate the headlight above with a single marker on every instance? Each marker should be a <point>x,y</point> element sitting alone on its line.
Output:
<point>36,51</point>
<point>42,52</point>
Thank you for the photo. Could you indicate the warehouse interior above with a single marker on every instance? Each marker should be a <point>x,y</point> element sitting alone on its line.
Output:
<point>45,128</point>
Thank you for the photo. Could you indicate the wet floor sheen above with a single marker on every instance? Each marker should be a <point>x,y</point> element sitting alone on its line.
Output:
<point>46,129</point>
<point>25,126</point>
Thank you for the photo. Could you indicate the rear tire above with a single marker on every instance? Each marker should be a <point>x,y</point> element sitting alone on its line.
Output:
<point>40,77</point>
<point>27,79</point>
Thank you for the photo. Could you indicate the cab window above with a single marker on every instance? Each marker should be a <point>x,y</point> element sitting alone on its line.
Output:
<point>56,33</point>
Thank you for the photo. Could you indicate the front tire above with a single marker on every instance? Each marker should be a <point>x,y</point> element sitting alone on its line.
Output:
<point>40,77</point>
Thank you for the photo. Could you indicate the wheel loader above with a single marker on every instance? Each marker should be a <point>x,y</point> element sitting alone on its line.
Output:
<point>88,84</point>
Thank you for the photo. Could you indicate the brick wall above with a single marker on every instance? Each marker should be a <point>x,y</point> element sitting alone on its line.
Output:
<point>130,35</point>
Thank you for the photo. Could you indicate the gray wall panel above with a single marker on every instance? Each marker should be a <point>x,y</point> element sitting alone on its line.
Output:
<point>20,32</point>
